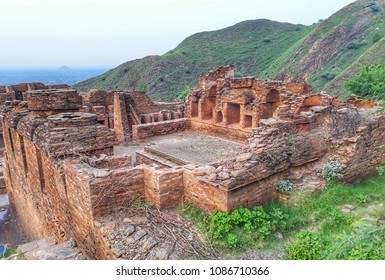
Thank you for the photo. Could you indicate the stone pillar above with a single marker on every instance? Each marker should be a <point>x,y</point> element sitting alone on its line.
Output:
<point>225,112</point>
<point>242,120</point>
<point>121,125</point>
<point>200,109</point>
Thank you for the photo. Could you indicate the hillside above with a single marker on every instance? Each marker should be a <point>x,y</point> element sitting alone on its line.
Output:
<point>335,45</point>
<point>245,45</point>
<point>324,54</point>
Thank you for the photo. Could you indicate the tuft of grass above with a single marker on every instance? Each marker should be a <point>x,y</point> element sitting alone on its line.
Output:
<point>9,252</point>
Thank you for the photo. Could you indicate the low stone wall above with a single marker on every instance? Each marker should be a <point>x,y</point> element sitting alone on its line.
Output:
<point>159,128</point>
<point>205,195</point>
<point>144,158</point>
<point>257,193</point>
<point>218,130</point>
<point>164,187</point>
<point>52,99</point>
<point>364,152</point>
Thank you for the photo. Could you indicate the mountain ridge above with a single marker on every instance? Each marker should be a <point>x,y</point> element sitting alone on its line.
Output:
<point>267,49</point>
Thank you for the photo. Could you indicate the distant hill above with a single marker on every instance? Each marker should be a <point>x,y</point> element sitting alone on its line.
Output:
<point>64,69</point>
<point>324,54</point>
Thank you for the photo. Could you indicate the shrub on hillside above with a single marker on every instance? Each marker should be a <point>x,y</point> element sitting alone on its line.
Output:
<point>370,82</point>
<point>183,94</point>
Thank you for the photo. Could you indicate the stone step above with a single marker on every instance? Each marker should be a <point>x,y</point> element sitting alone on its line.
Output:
<point>144,157</point>
<point>165,156</point>
<point>47,249</point>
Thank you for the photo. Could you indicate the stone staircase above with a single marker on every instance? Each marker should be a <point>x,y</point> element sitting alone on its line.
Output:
<point>150,156</point>
<point>47,249</point>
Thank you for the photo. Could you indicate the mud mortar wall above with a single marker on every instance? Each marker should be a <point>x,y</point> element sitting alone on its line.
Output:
<point>364,152</point>
<point>219,131</point>
<point>204,194</point>
<point>36,188</point>
<point>143,131</point>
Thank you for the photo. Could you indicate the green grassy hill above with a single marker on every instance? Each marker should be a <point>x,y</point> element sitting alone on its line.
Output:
<point>321,53</point>
<point>251,46</point>
<point>337,44</point>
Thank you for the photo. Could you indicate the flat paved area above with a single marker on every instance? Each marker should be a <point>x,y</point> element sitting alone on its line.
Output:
<point>189,146</point>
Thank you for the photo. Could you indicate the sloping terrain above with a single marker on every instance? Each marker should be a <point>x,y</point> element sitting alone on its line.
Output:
<point>336,44</point>
<point>251,46</point>
<point>324,54</point>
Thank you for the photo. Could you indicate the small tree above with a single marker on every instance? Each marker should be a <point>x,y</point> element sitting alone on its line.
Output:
<point>370,82</point>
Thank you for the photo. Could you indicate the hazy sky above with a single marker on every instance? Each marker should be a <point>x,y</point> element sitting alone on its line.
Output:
<point>106,33</point>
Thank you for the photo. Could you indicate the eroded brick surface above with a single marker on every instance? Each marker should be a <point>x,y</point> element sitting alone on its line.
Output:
<point>63,179</point>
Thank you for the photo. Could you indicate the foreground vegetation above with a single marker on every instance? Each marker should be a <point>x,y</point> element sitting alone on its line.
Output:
<point>338,222</point>
<point>9,252</point>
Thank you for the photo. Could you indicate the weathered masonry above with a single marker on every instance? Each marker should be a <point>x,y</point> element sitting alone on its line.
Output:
<point>228,146</point>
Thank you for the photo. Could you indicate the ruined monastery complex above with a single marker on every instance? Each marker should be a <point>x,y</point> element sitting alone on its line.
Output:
<point>72,159</point>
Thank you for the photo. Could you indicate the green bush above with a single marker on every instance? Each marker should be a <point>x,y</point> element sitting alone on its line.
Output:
<point>381,170</point>
<point>285,186</point>
<point>183,94</point>
<point>370,82</point>
<point>306,246</point>
<point>233,227</point>
<point>331,171</point>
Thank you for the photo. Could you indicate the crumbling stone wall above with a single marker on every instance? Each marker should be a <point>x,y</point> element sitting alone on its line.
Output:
<point>144,131</point>
<point>100,103</point>
<point>61,175</point>
<point>363,151</point>
<point>223,103</point>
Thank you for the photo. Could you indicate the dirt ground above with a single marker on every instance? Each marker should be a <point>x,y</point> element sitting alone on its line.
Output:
<point>11,232</point>
<point>190,146</point>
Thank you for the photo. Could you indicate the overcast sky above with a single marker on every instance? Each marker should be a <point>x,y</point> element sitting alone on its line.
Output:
<point>106,33</point>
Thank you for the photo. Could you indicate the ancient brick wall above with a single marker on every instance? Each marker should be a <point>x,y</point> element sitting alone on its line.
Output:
<point>206,195</point>
<point>98,98</point>
<point>257,193</point>
<point>150,160</point>
<point>220,131</point>
<point>164,187</point>
<point>80,208</point>
<point>363,152</point>
<point>121,123</point>
<point>142,103</point>
<point>72,133</point>
<point>6,97</point>
<point>143,131</point>
<point>118,189</point>
<point>48,100</point>
<point>36,186</point>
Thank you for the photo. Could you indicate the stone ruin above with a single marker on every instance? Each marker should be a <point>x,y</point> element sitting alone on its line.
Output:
<point>227,146</point>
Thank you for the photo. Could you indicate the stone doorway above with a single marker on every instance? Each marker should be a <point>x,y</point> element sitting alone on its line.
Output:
<point>272,102</point>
